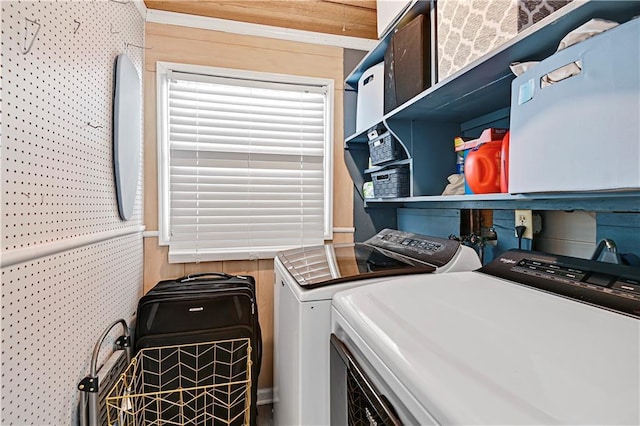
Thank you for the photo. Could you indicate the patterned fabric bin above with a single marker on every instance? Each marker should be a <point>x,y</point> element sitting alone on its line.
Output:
<point>468,29</point>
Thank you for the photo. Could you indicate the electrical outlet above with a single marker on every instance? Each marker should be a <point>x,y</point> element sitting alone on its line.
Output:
<point>525,218</point>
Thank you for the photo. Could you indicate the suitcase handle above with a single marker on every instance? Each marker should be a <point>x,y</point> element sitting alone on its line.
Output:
<point>192,277</point>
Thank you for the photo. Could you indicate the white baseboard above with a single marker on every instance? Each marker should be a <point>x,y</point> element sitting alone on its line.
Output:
<point>265,396</point>
<point>344,230</point>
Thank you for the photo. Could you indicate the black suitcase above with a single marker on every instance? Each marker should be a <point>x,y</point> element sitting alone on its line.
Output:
<point>202,308</point>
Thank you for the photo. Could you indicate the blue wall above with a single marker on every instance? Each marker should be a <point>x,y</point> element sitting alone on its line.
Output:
<point>435,222</point>
<point>623,228</point>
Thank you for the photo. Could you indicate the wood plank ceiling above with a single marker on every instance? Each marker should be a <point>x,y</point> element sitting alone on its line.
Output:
<point>354,18</point>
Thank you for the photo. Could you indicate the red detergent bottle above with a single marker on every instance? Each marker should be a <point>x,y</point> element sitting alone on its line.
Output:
<point>482,168</point>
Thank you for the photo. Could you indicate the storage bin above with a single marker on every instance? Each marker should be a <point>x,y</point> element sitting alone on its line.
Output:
<point>204,383</point>
<point>469,29</point>
<point>369,109</point>
<point>407,63</point>
<point>383,149</point>
<point>391,183</point>
<point>581,133</point>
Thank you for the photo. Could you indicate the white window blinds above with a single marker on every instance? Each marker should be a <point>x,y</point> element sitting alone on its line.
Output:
<point>246,167</point>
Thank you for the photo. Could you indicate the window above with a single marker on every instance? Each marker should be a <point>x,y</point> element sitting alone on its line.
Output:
<point>244,162</point>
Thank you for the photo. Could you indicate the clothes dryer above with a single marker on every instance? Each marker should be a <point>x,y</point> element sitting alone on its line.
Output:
<point>530,338</point>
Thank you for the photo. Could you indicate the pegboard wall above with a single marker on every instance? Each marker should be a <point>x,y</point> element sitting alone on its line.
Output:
<point>57,168</point>
<point>53,311</point>
<point>83,267</point>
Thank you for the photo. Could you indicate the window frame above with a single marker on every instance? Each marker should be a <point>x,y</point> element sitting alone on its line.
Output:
<point>163,72</point>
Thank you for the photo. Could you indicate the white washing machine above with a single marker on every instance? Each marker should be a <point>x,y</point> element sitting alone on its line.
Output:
<point>306,280</point>
<point>528,339</point>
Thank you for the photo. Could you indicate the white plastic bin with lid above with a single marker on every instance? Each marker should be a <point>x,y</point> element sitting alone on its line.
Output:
<point>581,133</point>
<point>370,108</point>
<point>387,12</point>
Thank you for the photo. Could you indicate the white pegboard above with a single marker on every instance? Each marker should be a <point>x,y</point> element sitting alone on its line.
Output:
<point>53,311</point>
<point>57,169</point>
<point>58,190</point>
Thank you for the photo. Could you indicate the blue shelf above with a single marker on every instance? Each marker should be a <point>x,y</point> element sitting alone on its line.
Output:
<point>481,89</point>
<point>360,137</point>
<point>395,163</point>
<point>485,85</point>
<point>628,201</point>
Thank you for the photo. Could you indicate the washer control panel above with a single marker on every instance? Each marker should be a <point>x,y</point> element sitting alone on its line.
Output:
<point>626,287</point>
<point>432,250</point>
<point>611,286</point>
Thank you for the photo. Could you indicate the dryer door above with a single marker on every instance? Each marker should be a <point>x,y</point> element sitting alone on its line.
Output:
<point>354,399</point>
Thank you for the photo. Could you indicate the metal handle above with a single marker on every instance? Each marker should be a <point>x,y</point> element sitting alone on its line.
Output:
<point>96,350</point>
<point>90,397</point>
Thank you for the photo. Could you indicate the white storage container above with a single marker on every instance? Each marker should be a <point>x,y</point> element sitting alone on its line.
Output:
<point>370,108</point>
<point>581,133</point>
<point>387,11</point>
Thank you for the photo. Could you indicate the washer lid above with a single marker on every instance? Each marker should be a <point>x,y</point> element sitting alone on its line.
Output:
<point>475,349</point>
<point>329,264</point>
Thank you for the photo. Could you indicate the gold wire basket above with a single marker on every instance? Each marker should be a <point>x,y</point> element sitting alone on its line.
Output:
<point>196,384</point>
